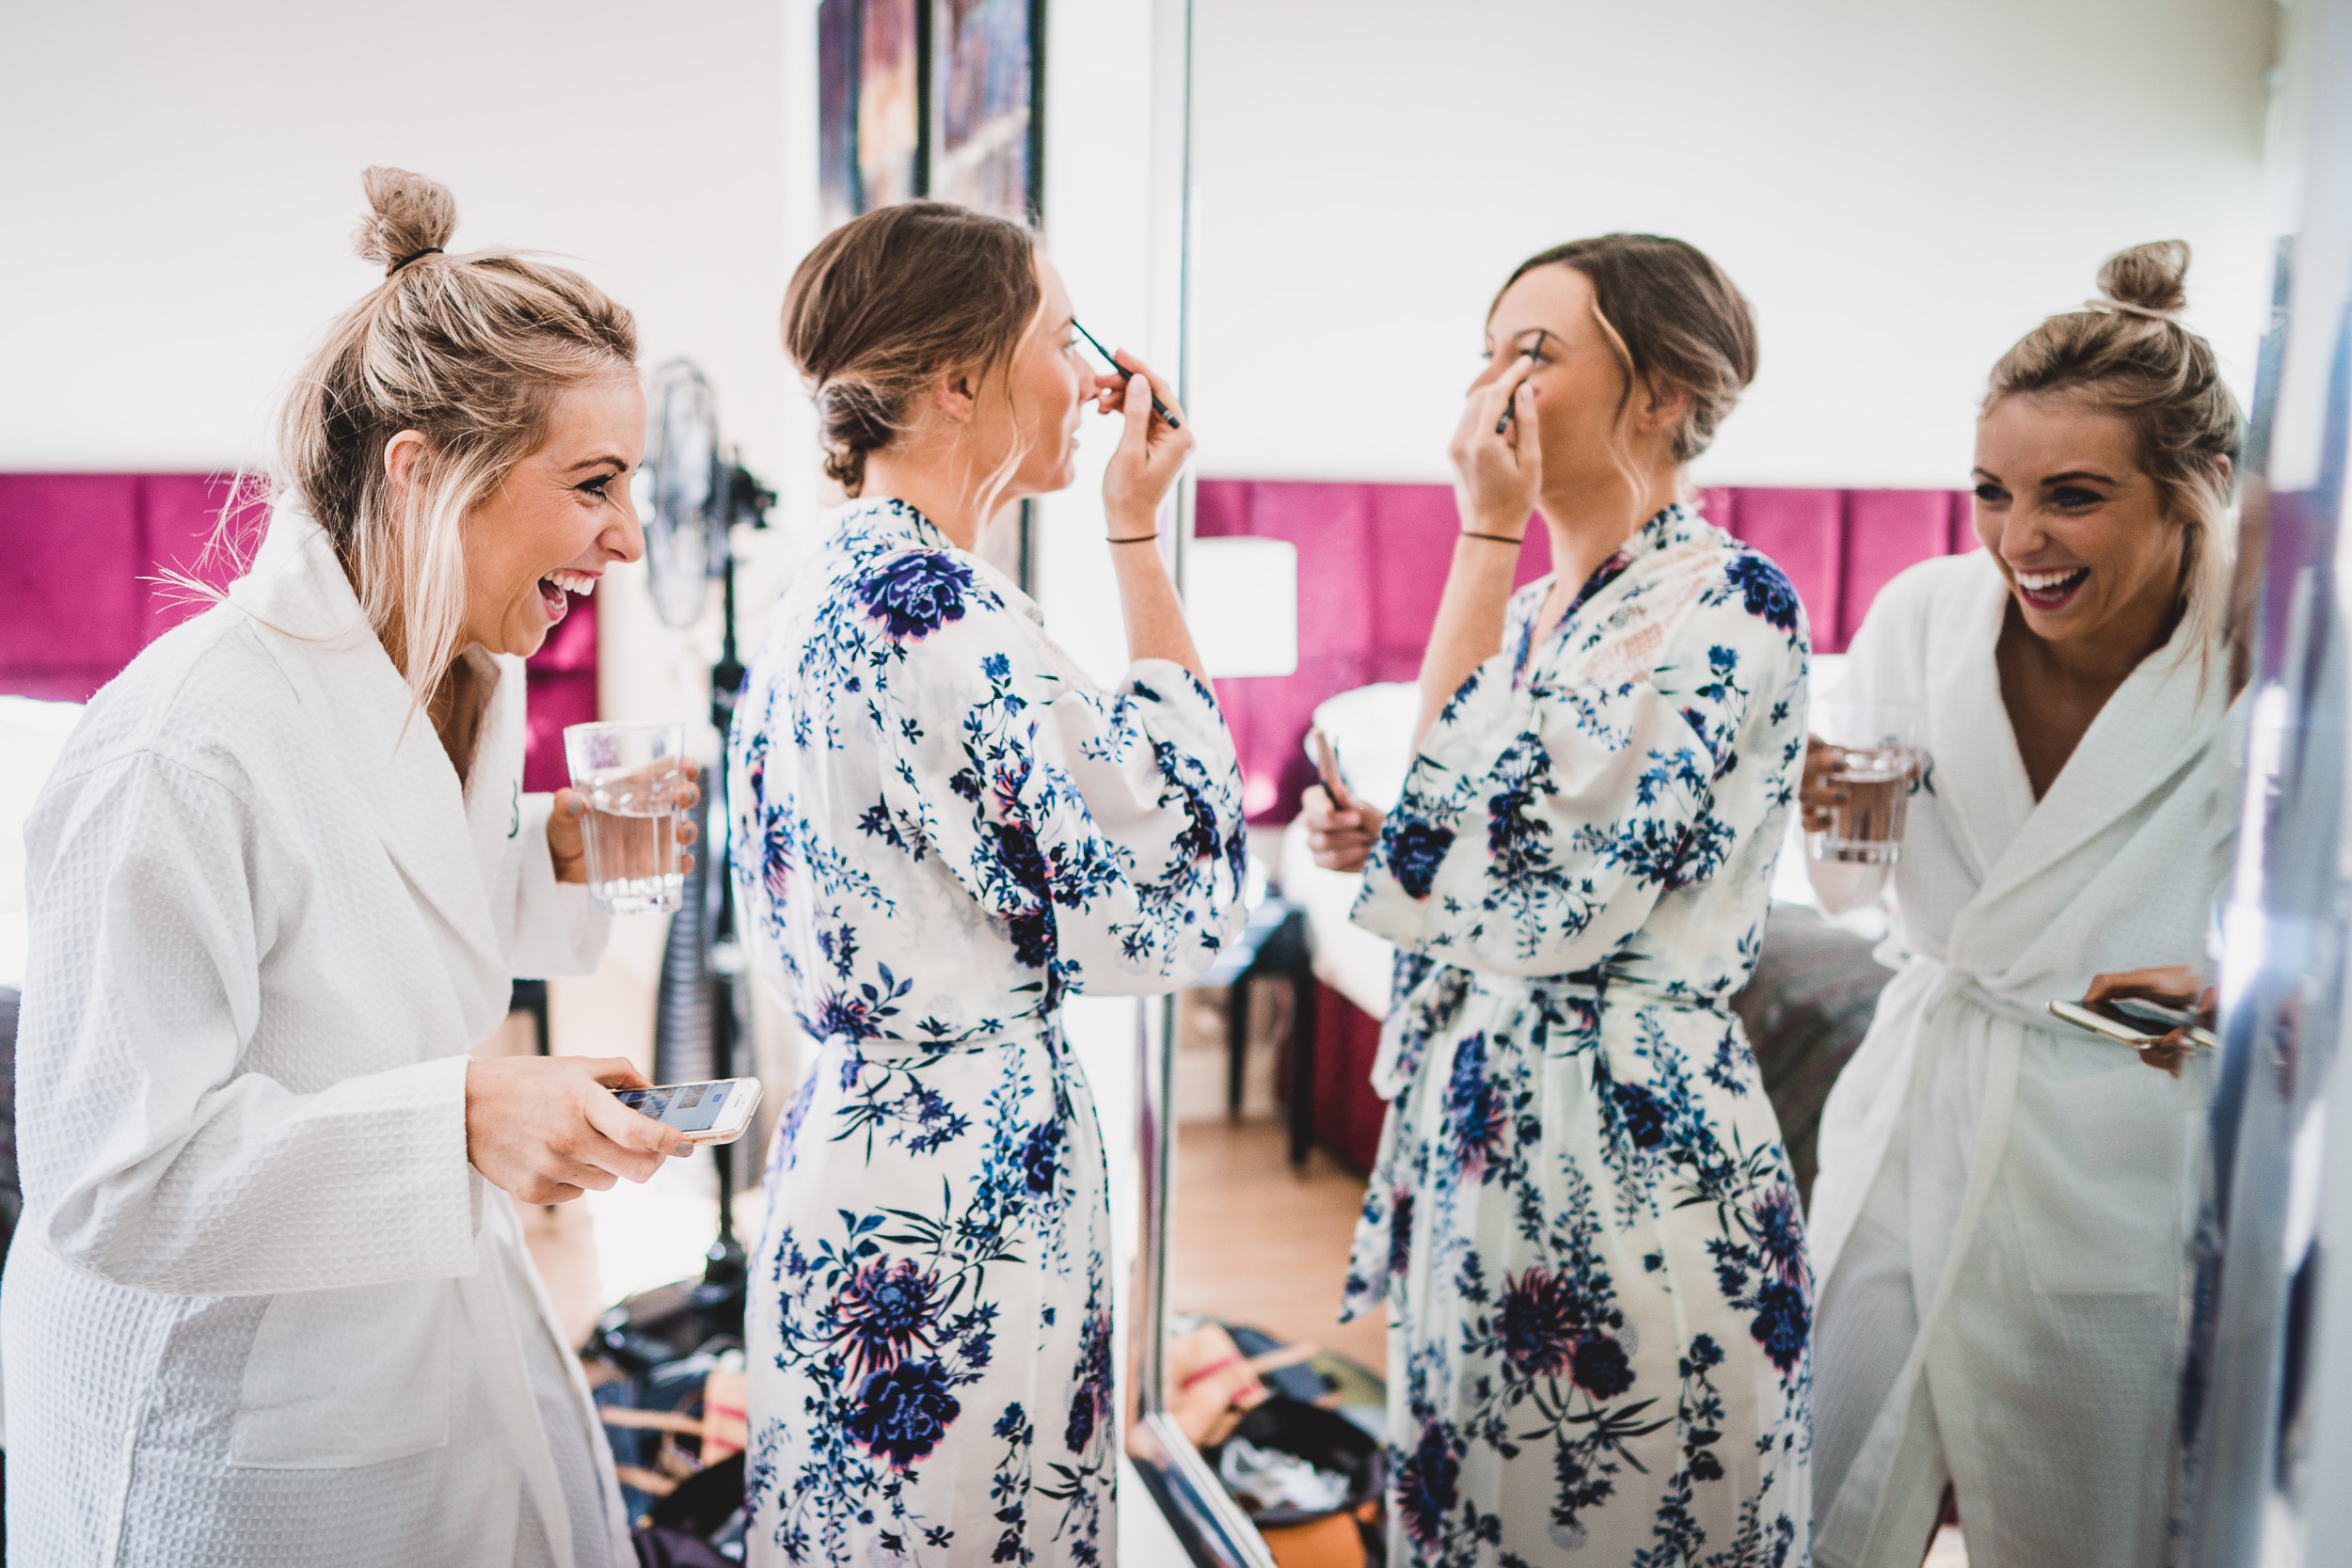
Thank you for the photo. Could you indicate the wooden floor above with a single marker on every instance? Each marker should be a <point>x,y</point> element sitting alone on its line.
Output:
<point>1255,1242</point>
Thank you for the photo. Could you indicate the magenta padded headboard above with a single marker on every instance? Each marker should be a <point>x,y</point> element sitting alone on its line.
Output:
<point>81,595</point>
<point>1373,557</point>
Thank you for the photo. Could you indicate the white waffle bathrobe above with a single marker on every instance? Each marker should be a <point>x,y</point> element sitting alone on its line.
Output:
<point>260,1309</point>
<point>2002,1212</point>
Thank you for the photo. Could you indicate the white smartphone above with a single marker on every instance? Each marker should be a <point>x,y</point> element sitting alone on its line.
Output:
<point>718,1112</point>
<point>2133,1023</point>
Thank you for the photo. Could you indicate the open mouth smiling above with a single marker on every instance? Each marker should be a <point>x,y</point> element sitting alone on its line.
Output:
<point>2051,590</point>
<point>556,585</point>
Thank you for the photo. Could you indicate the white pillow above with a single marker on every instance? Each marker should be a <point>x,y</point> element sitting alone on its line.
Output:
<point>1372,728</point>
<point>31,736</point>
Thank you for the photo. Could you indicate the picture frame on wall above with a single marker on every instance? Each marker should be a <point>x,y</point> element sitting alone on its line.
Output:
<point>990,141</point>
<point>872,88</point>
<point>937,98</point>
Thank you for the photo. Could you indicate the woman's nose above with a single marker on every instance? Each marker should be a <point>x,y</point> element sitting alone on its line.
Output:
<point>1494,368</point>
<point>2022,534</point>
<point>626,538</point>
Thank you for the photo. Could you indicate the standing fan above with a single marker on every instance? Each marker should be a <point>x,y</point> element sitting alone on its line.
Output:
<point>690,497</point>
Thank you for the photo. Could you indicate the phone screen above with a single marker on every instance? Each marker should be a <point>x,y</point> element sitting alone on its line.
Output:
<point>688,1107</point>
<point>2132,1009</point>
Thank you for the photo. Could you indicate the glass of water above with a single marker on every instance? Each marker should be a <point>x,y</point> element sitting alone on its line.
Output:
<point>1878,764</point>
<point>634,779</point>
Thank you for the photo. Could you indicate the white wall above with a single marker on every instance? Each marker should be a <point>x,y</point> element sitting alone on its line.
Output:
<point>182,180</point>
<point>1902,187</point>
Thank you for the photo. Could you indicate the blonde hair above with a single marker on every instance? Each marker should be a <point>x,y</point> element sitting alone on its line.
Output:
<point>2125,353</point>
<point>470,352</point>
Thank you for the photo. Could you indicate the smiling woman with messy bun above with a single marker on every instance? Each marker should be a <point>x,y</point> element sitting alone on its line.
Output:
<point>1997,1218</point>
<point>265,1307</point>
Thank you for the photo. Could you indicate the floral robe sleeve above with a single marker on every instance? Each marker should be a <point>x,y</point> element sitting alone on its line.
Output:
<point>1547,815</point>
<point>957,826</point>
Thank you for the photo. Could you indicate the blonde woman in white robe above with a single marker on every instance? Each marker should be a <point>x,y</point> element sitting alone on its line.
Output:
<point>266,1306</point>
<point>2001,1217</point>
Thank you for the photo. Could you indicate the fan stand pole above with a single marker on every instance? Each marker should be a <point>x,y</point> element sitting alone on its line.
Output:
<point>726,1267</point>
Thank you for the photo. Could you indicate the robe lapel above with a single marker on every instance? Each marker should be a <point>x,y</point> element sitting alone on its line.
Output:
<point>2158,723</point>
<point>1978,773</point>
<point>388,750</point>
<point>494,783</point>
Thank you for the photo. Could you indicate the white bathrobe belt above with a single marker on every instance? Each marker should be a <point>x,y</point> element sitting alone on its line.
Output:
<point>1847,1518</point>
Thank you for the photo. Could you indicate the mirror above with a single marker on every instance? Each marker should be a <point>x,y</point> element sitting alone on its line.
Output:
<point>1353,212</point>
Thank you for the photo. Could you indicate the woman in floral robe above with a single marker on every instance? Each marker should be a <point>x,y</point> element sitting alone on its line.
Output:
<point>1582,1218</point>
<point>946,830</point>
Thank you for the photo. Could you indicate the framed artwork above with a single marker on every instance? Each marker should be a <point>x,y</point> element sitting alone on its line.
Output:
<point>873,69</point>
<point>989,140</point>
<point>929,98</point>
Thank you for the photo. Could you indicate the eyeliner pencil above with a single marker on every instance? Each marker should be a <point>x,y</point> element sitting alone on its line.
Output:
<point>1125,375</point>
<point>1509,408</point>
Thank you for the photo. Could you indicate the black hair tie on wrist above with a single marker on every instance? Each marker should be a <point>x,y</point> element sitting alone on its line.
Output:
<point>414,256</point>
<point>1498,538</point>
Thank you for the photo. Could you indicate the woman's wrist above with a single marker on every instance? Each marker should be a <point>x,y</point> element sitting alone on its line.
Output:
<point>1131,530</point>
<point>1500,527</point>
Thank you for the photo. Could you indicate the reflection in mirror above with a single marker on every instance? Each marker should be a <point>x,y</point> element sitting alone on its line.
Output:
<point>1847,464</point>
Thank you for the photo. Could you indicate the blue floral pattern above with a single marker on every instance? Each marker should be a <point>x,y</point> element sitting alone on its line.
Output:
<point>1582,1219</point>
<point>927,790</point>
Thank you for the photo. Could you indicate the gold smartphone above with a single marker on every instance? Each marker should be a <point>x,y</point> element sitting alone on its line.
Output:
<point>2134,1021</point>
<point>717,1112</point>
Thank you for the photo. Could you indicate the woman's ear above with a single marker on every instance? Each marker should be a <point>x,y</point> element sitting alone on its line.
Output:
<point>403,455</point>
<point>955,393</point>
<point>1665,410</point>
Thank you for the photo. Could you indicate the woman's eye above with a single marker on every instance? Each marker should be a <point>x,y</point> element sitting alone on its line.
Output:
<point>2075,500</point>
<point>597,486</point>
<point>1992,495</point>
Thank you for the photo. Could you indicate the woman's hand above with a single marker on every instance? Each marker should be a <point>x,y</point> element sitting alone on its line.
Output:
<point>1341,832</point>
<point>1819,795</point>
<point>1498,477</point>
<point>2174,985</point>
<point>1150,455</point>
<point>546,1128</point>
<point>567,827</point>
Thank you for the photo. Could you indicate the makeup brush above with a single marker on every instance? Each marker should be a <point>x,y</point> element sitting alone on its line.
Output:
<point>1125,375</point>
<point>1509,408</point>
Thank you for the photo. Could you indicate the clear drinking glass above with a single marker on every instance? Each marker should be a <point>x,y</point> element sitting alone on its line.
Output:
<point>1878,763</point>
<point>633,776</point>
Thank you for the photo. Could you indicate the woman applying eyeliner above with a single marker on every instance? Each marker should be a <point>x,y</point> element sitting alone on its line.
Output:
<point>1582,1218</point>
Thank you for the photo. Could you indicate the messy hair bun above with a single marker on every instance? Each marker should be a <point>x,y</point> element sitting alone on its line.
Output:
<point>408,215</point>
<point>2125,352</point>
<point>471,352</point>
<point>2153,276</point>
<point>854,418</point>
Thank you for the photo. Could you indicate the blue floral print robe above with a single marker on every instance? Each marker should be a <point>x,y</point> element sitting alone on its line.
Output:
<point>1582,1217</point>
<point>947,828</point>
